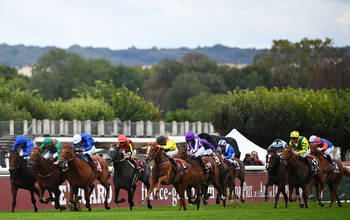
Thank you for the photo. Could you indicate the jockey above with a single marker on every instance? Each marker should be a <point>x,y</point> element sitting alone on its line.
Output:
<point>170,148</point>
<point>128,147</point>
<point>277,145</point>
<point>25,145</point>
<point>52,147</point>
<point>196,149</point>
<point>86,145</point>
<point>302,147</point>
<point>227,151</point>
<point>326,146</point>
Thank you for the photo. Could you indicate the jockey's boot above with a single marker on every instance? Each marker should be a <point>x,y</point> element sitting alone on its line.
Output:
<point>330,161</point>
<point>204,167</point>
<point>309,162</point>
<point>92,163</point>
<point>139,169</point>
<point>177,168</point>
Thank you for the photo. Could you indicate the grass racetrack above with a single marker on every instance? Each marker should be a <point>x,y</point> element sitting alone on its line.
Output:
<point>250,211</point>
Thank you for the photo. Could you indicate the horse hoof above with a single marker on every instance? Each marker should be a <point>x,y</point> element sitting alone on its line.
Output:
<point>121,200</point>
<point>321,204</point>
<point>62,208</point>
<point>107,208</point>
<point>242,201</point>
<point>36,210</point>
<point>79,198</point>
<point>266,199</point>
<point>301,206</point>
<point>149,206</point>
<point>156,197</point>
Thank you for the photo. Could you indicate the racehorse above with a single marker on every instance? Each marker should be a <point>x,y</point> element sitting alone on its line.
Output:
<point>50,177</point>
<point>277,175</point>
<point>328,176</point>
<point>229,182</point>
<point>81,175</point>
<point>126,176</point>
<point>164,173</point>
<point>299,172</point>
<point>22,177</point>
<point>199,179</point>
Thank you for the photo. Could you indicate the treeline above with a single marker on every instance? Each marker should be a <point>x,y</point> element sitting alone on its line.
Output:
<point>20,55</point>
<point>256,99</point>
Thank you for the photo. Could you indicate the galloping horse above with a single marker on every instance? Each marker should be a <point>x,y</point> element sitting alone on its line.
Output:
<point>164,173</point>
<point>22,177</point>
<point>125,176</point>
<point>299,172</point>
<point>277,175</point>
<point>229,181</point>
<point>199,179</point>
<point>329,176</point>
<point>50,177</point>
<point>81,175</point>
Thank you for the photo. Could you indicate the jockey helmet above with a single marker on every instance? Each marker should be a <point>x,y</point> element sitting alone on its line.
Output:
<point>312,139</point>
<point>47,142</point>
<point>222,142</point>
<point>189,136</point>
<point>20,139</point>
<point>161,140</point>
<point>294,134</point>
<point>277,143</point>
<point>76,139</point>
<point>122,138</point>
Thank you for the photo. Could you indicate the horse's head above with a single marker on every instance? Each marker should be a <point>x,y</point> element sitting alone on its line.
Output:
<point>315,150</point>
<point>115,155</point>
<point>182,153</point>
<point>287,153</point>
<point>14,161</point>
<point>67,154</point>
<point>34,157</point>
<point>272,160</point>
<point>152,150</point>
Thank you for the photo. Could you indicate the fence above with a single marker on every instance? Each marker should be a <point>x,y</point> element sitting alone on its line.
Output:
<point>101,128</point>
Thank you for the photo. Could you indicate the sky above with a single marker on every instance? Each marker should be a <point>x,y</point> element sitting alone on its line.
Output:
<point>121,24</point>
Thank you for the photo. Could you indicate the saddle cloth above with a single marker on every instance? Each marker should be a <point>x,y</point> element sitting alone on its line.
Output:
<point>181,164</point>
<point>208,164</point>
<point>216,158</point>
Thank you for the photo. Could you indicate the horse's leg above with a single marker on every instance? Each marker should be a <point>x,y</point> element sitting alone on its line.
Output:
<point>106,185</point>
<point>33,199</point>
<point>180,188</point>
<point>277,195</point>
<point>283,190</point>
<point>74,197</point>
<point>160,180</point>
<point>331,193</point>
<point>57,193</point>
<point>41,196</point>
<point>266,190</point>
<point>241,179</point>
<point>153,183</point>
<point>87,192</point>
<point>290,189</point>
<point>146,182</point>
<point>335,192</point>
<point>14,190</point>
<point>319,188</point>
<point>304,196</point>
<point>130,198</point>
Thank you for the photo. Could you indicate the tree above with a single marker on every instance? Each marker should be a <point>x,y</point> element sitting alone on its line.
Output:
<point>292,63</point>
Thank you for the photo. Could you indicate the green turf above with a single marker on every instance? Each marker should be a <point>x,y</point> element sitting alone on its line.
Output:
<point>252,211</point>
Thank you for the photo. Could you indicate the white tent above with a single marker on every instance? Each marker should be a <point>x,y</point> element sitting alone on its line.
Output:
<point>246,146</point>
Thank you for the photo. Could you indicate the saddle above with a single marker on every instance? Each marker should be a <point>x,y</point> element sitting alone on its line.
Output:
<point>94,164</point>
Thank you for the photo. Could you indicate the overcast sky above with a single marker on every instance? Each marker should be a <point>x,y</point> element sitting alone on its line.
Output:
<point>120,24</point>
